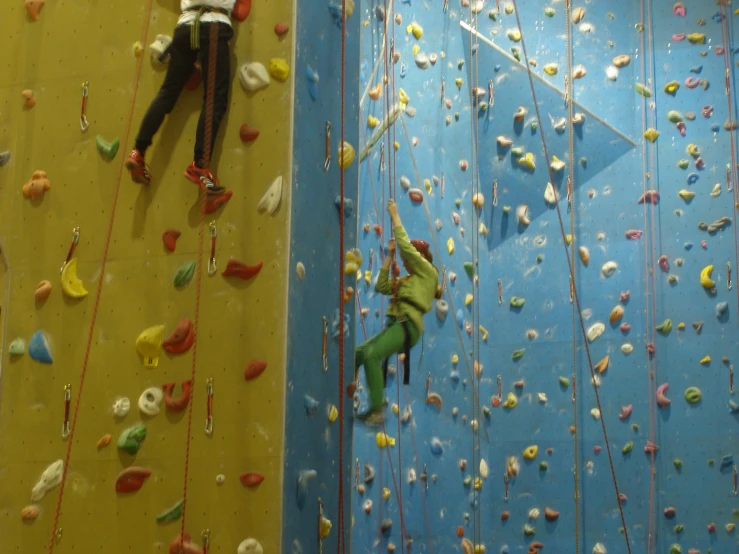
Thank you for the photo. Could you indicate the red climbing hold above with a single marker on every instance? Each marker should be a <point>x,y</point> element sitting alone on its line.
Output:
<point>460,531</point>
<point>131,479</point>
<point>254,369</point>
<point>181,338</point>
<point>241,10</point>
<point>212,203</point>
<point>281,29</point>
<point>248,134</point>
<point>180,403</point>
<point>235,268</point>
<point>169,238</point>
<point>351,388</point>
<point>251,479</point>
<point>195,78</point>
<point>415,195</point>
<point>182,544</point>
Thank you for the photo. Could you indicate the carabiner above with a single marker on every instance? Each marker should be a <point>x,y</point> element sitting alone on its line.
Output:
<point>212,261</point>
<point>327,163</point>
<point>84,124</point>
<point>209,418</point>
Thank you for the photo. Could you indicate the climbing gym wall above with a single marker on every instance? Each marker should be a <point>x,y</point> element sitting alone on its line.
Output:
<point>318,414</point>
<point>84,367</point>
<point>573,166</point>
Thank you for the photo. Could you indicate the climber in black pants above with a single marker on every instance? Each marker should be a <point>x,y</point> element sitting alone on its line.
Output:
<point>190,43</point>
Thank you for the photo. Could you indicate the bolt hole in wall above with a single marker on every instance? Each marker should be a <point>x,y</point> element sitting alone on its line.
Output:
<point>640,137</point>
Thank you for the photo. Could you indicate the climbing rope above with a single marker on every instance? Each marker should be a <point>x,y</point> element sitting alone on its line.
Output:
<point>55,529</point>
<point>570,100</point>
<point>574,288</point>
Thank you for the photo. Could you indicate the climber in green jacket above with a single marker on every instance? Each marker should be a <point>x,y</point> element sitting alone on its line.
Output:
<point>413,296</point>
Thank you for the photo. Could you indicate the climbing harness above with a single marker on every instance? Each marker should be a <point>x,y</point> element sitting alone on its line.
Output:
<point>195,27</point>
<point>209,416</point>
<point>72,247</point>
<point>327,163</point>
<point>67,402</point>
<point>212,260</point>
<point>84,125</point>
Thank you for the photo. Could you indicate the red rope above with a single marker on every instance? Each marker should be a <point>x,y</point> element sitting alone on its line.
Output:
<point>575,293</point>
<point>340,547</point>
<point>96,304</point>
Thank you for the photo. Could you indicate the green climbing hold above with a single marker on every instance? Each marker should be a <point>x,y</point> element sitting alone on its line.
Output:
<point>517,302</point>
<point>628,447</point>
<point>693,395</point>
<point>641,89</point>
<point>543,466</point>
<point>539,258</point>
<point>534,126</point>
<point>486,411</point>
<point>678,528</point>
<point>564,382</point>
<point>676,549</point>
<point>107,149</point>
<point>184,274</point>
<point>467,480</point>
<point>457,202</point>
<point>517,151</point>
<point>456,116</point>
<point>506,209</point>
<point>529,530</point>
<point>665,327</point>
<point>171,514</point>
<point>17,347</point>
<point>672,279</point>
<point>677,463</point>
<point>518,354</point>
<point>674,116</point>
<point>516,53</point>
<point>492,14</point>
<point>549,12</point>
<point>584,162</point>
<point>639,27</point>
<point>710,462</point>
<point>683,164</point>
<point>469,269</point>
<point>130,439</point>
<point>635,427</point>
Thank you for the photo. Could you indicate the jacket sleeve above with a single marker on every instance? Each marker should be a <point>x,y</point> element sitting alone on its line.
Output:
<point>410,255</point>
<point>383,285</point>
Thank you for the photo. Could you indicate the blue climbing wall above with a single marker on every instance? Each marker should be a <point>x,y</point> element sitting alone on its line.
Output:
<point>313,441</point>
<point>441,144</point>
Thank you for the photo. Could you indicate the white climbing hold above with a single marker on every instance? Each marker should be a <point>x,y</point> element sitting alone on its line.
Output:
<point>300,270</point>
<point>422,60</point>
<point>483,469</point>
<point>627,348</point>
<point>595,331</point>
<point>158,48</point>
<point>550,196</point>
<point>271,199</point>
<point>595,412</point>
<point>612,72</point>
<point>609,268</point>
<point>542,397</point>
<point>49,479</point>
<point>599,549</point>
<point>253,76</point>
<point>121,407</point>
<point>405,183</point>
<point>220,479</point>
<point>250,546</point>
<point>150,400</point>
<point>534,513</point>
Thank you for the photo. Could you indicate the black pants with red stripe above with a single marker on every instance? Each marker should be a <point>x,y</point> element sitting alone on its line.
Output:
<point>181,63</point>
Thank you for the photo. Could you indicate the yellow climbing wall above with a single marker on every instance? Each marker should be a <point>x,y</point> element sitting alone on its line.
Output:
<point>84,40</point>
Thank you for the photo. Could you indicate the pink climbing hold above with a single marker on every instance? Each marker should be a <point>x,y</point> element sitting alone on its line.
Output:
<point>597,450</point>
<point>650,448</point>
<point>662,400</point>
<point>681,128</point>
<point>663,263</point>
<point>678,37</point>
<point>622,497</point>
<point>625,412</point>
<point>719,50</point>
<point>625,296</point>
<point>241,10</point>
<point>649,197</point>
<point>651,348</point>
<point>679,9</point>
<point>692,82</point>
<point>33,7</point>
<point>700,163</point>
<point>625,328</point>
<point>670,512</point>
<point>704,245</point>
<point>633,234</point>
<point>281,29</point>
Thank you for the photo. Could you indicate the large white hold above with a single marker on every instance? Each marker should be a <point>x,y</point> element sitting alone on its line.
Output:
<point>609,268</point>
<point>49,479</point>
<point>253,76</point>
<point>595,331</point>
<point>121,407</point>
<point>599,549</point>
<point>483,469</point>
<point>150,400</point>
<point>250,546</point>
<point>271,199</point>
<point>550,195</point>
<point>158,48</point>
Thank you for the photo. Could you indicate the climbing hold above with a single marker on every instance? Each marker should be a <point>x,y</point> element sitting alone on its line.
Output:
<point>30,99</point>
<point>212,203</point>
<point>107,149</point>
<point>254,369</point>
<point>248,134</point>
<point>184,274</point>
<point>651,134</point>
<point>281,29</point>
<point>510,401</point>
<point>721,309</point>
<point>628,447</point>
<point>236,268</point>
<point>595,331</point>
<point>29,513</point>
<point>602,365</point>
<point>17,347</point>
<point>522,215</point>
<point>173,513</point>
<point>609,268</point>
<point>36,186</point>
<point>644,91</point>
<point>584,254</point>
<point>4,157</point>
<point>625,412</point>
<point>528,161</point>
<point>665,327</point>
<point>131,479</point>
<point>383,440</point>
<point>182,544</point>
<point>33,8</point>
<point>550,515</point>
<point>148,344</point>
<point>49,479</point>
<point>674,116</point>
<point>442,308</point>
<point>346,155</point>
<point>530,452</point>
<point>159,49</point>
<point>436,447</point>
<point>180,403</point>
<point>686,195</point>
<point>551,69</point>
<point>300,270</point>
<point>696,38</point>
<point>312,79</point>
<point>705,360</point>
<point>662,400</point>
<point>517,302</point>
<point>130,439</point>
<point>251,479</point>
<point>705,277</point>
<point>616,313</point>
<point>416,195</point>
<point>169,238</point>
<point>149,401</point>
<point>693,150</point>
<point>71,284</point>
<point>434,399</point>
<point>121,407</point>
<point>271,199</point>
<point>518,354</point>
<point>39,349</point>
<point>181,338</point>
<point>279,69</point>
<point>514,35</point>
<point>692,395</point>
<point>253,76</point>
<point>633,234</point>
<point>671,88</point>
<point>311,404</point>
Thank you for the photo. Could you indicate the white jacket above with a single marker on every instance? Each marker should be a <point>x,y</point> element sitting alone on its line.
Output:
<point>188,17</point>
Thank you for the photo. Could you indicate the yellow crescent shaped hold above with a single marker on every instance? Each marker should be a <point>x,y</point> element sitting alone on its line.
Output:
<point>706,280</point>
<point>148,344</point>
<point>71,285</point>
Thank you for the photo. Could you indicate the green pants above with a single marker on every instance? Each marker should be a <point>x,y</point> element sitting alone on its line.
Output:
<point>376,350</point>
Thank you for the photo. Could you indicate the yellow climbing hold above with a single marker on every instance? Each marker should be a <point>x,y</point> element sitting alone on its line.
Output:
<point>383,440</point>
<point>681,326</point>
<point>415,29</point>
<point>651,134</point>
<point>468,299</point>
<point>510,401</point>
<point>148,344</point>
<point>706,360</point>
<point>696,38</point>
<point>514,35</point>
<point>353,261</point>
<point>396,145</point>
<point>483,332</point>
<point>403,97</point>
<point>686,194</point>
<point>568,239</point>
<point>346,155</point>
<point>450,245</point>
<point>385,493</point>
<point>427,185</point>
<point>528,161</point>
<point>279,69</point>
<point>551,69</point>
<point>706,281</point>
<point>455,359</point>
<point>671,87</point>
<point>71,284</point>
<point>372,121</point>
<point>333,413</point>
<point>530,452</point>
<point>368,277</point>
<point>416,50</point>
<point>477,484</point>
<point>395,408</point>
<point>458,81</point>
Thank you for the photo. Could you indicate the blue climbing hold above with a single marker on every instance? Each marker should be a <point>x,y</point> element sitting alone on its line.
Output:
<point>403,69</point>
<point>696,69</point>
<point>311,404</point>
<point>692,178</point>
<point>497,68</point>
<point>454,376</point>
<point>335,11</point>
<point>38,348</point>
<point>721,308</point>
<point>304,477</point>
<point>312,79</point>
<point>363,71</point>
<point>727,461</point>
<point>436,446</point>
<point>715,128</point>
<point>335,325</point>
<point>460,318</point>
<point>348,205</point>
<point>473,500</point>
<point>688,245</point>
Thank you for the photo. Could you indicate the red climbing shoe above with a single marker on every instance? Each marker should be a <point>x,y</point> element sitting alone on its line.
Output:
<point>204,178</point>
<point>136,166</point>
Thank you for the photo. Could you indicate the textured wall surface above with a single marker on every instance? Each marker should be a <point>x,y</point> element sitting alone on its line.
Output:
<point>312,440</point>
<point>447,146</point>
<point>239,321</point>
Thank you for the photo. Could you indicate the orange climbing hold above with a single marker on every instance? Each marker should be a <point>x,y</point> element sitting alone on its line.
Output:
<point>33,7</point>
<point>180,403</point>
<point>181,338</point>
<point>36,186</point>
<point>182,544</point>
<point>254,369</point>
<point>29,513</point>
<point>104,441</point>
<point>235,268</point>
<point>42,292</point>
<point>30,98</point>
<point>169,238</point>
<point>212,203</point>
<point>241,10</point>
<point>251,479</point>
